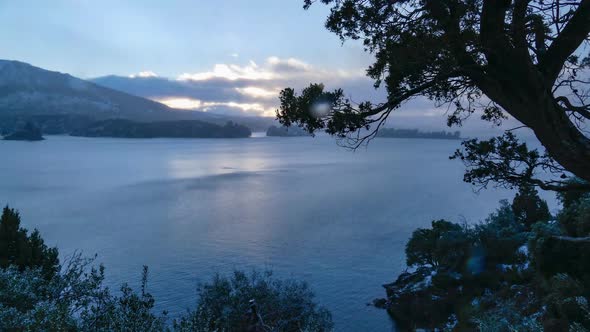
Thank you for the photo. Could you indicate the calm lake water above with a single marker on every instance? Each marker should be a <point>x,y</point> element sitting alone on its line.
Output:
<point>303,207</point>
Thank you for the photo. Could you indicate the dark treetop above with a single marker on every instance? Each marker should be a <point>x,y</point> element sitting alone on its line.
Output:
<point>415,133</point>
<point>286,131</point>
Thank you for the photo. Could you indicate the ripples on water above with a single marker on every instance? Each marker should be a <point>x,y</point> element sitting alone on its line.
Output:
<point>303,207</point>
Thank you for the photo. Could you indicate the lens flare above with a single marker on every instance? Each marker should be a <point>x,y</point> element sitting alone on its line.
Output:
<point>321,109</point>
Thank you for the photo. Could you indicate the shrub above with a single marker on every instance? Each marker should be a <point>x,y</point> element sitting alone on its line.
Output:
<point>224,305</point>
<point>565,301</point>
<point>572,196</point>
<point>445,245</point>
<point>500,237</point>
<point>575,218</point>
<point>30,302</point>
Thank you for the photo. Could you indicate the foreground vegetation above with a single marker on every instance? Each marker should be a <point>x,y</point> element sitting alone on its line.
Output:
<point>38,293</point>
<point>520,270</point>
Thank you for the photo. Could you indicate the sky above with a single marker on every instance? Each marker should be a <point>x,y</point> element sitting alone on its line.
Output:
<point>219,56</point>
<point>89,38</point>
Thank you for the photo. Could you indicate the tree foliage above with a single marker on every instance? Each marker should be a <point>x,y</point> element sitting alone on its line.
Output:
<point>529,208</point>
<point>225,304</point>
<point>444,245</point>
<point>19,248</point>
<point>521,57</point>
<point>500,275</point>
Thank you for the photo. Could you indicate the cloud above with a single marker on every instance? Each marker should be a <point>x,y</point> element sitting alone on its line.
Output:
<point>288,65</point>
<point>247,88</point>
<point>230,72</point>
<point>258,92</point>
<point>274,68</point>
<point>253,89</point>
<point>144,74</point>
<point>181,103</point>
<point>219,107</point>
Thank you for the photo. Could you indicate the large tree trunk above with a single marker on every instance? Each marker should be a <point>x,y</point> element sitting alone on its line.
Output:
<point>523,92</point>
<point>563,141</point>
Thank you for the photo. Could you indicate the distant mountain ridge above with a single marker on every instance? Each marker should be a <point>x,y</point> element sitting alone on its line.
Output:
<point>28,92</point>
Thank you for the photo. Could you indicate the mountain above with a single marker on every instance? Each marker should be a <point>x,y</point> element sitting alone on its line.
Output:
<point>59,102</point>
<point>29,90</point>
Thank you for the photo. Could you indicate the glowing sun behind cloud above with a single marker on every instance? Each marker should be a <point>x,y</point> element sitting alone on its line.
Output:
<point>257,92</point>
<point>181,103</point>
<point>199,105</point>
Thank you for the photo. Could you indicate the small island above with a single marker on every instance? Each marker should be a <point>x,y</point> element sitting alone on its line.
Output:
<point>415,133</point>
<point>292,131</point>
<point>164,129</point>
<point>29,132</point>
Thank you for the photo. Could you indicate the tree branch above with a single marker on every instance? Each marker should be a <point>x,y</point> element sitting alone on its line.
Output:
<point>582,110</point>
<point>566,43</point>
<point>492,29</point>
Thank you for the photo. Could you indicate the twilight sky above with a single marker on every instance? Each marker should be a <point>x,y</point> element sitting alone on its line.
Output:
<point>225,56</point>
<point>89,38</point>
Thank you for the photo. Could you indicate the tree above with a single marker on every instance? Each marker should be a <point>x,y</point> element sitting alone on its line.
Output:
<point>521,57</point>
<point>255,302</point>
<point>529,208</point>
<point>444,245</point>
<point>23,250</point>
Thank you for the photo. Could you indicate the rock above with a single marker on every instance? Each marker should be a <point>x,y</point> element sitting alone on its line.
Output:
<point>380,303</point>
<point>414,302</point>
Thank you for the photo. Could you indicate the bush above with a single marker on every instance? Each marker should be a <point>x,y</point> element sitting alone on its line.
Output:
<point>224,305</point>
<point>575,218</point>
<point>565,301</point>
<point>501,236</point>
<point>130,312</point>
<point>445,245</point>
<point>572,196</point>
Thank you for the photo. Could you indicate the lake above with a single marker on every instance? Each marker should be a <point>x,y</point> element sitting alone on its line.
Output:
<point>303,207</point>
